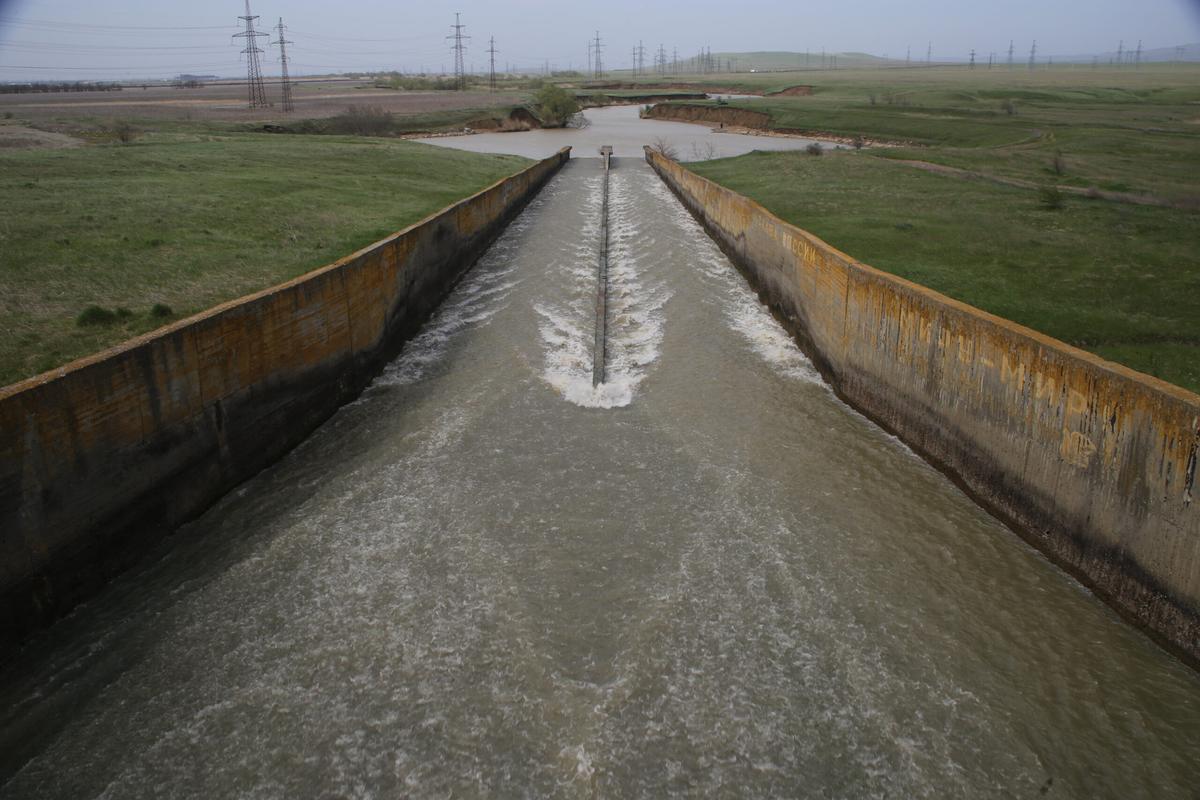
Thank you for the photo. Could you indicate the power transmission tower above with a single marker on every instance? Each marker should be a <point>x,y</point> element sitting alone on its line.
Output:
<point>596,49</point>
<point>254,79</point>
<point>674,60</point>
<point>492,60</point>
<point>662,60</point>
<point>1010,53</point>
<point>908,56</point>
<point>288,105</point>
<point>991,59</point>
<point>1033,54</point>
<point>458,48</point>
<point>641,59</point>
<point>589,68</point>
<point>929,54</point>
<point>1137,59</point>
<point>1121,53</point>
<point>972,59</point>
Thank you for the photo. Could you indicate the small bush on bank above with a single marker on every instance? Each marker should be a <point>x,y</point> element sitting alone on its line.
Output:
<point>161,311</point>
<point>1059,164</point>
<point>125,132</point>
<point>95,315</point>
<point>555,106</point>
<point>815,149</point>
<point>362,121</point>
<point>1051,198</point>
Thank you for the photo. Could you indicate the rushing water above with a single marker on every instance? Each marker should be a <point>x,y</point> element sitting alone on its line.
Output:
<point>707,577</point>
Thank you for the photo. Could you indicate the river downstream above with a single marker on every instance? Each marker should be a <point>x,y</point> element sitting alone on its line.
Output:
<point>705,577</point>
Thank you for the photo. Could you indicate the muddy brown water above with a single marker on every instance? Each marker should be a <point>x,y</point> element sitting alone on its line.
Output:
<point>622,127</point>
<point>705,577</point>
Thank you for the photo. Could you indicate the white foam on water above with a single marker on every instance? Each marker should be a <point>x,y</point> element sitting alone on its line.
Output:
<point>481,296</point>
<point>740,307</point>
<point>635,305</point>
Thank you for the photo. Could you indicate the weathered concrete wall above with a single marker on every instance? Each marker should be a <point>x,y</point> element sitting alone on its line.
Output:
<point>103,456</point>
<point>1094,463</point>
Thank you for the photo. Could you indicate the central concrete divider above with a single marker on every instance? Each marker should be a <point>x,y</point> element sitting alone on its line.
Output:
<point>600,343</point>
<point>101,458</point>
<point>1093,463</point>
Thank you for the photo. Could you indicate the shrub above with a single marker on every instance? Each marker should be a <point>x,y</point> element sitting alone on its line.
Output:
<point>873,98</point>
<point>161,310</point>
<point>8,115</point>
<point>1059,165</point>
<point>125,132</point>
<point>1051,198</point>
<point>555,106</point>
<point>1010,107</point>
<point>362,121</point>
<point>815,149</point>
<point>95,315</point>
<point>859,142</point>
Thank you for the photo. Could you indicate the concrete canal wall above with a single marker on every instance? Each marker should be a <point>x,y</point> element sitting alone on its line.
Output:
<point>1093,463</point>
<point>101,458</point>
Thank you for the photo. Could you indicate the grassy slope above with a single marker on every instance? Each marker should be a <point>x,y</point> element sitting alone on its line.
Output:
<point>1120,280</point>
<point>192,220</point>
<point>1122,130</point>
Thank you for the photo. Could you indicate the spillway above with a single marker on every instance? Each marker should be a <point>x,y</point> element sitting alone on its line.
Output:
<point>702,576</point>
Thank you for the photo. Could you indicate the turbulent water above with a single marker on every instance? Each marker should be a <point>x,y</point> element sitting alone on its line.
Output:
<point>706,577</point>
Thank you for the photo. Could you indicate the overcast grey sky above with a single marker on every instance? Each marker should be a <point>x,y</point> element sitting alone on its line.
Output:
<point>162,38</point>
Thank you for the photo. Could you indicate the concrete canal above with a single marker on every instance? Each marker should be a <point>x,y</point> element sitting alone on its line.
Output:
<point>705,576</point>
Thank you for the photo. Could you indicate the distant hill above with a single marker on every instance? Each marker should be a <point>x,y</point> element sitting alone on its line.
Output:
<point>776,60</point>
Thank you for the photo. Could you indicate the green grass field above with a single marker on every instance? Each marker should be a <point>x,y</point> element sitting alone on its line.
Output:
<point>1120,280</point>
<point>190,220</point>
<point>1112,276</point>
<point>1121,130</point>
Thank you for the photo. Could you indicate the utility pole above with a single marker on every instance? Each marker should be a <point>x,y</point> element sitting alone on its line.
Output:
<point>596,48</point>
<point>1033,54</point>
<point>492,57</point>
<point>458,48</point>
<point>1010,53</point>
<point>288,106</point>
<point>254,79</point>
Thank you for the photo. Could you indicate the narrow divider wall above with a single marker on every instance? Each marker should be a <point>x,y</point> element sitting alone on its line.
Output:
<point>102,457</point>
<point>1091,462</point>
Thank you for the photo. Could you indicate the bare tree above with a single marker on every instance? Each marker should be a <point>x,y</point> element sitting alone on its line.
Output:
<point>664,148</point>
<point>703,151</point>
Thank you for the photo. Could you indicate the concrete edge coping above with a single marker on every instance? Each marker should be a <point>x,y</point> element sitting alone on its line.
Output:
<point>59,373</point>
